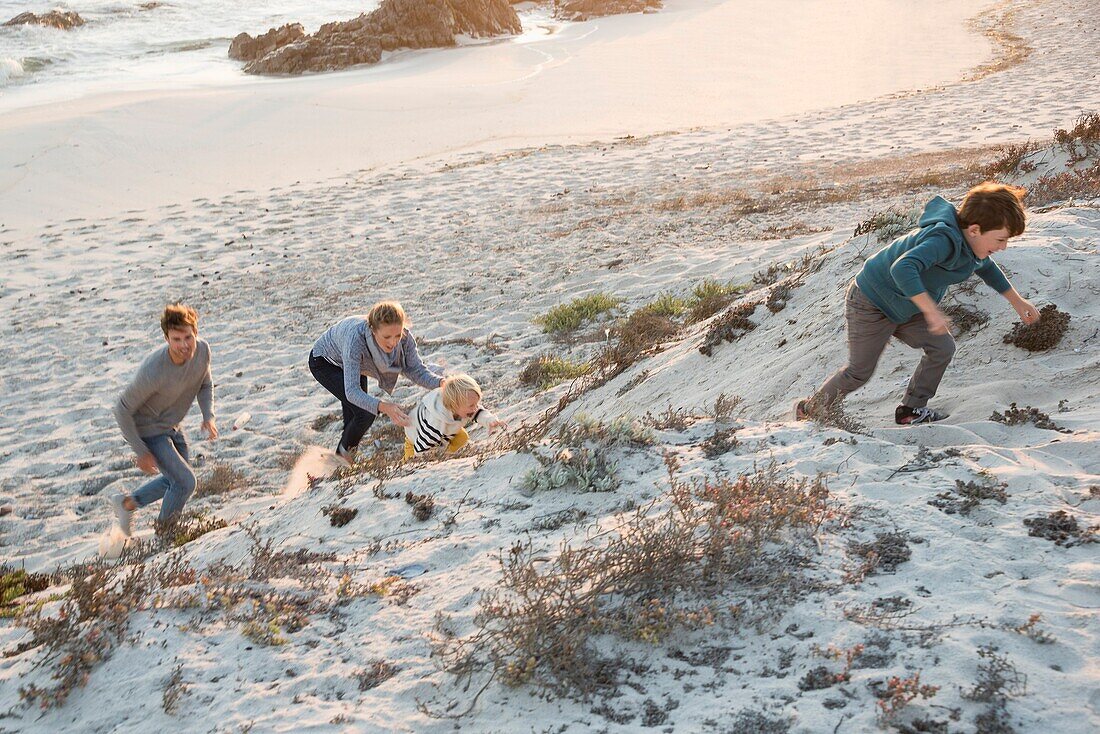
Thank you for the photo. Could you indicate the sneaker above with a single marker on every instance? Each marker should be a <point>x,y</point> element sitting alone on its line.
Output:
<point>906,416</point>
<point>348,455</point>
<point>122,514</point>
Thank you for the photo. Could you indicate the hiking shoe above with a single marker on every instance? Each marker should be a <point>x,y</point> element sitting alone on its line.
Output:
<point>122,514</point>
<point>906,416</point>
<point>346,454</point>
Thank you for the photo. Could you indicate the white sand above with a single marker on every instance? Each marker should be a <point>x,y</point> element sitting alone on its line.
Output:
<point>697,63</point>
<point>499,239</point>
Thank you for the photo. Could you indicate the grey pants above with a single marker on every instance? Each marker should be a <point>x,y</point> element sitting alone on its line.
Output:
<point>869,332</point>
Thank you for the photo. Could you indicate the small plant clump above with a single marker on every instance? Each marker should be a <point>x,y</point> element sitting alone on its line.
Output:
<point>1062,528</point>
<point>778,298</point>
<point>720,442</point>
<point>887,225</point>
<point>338,515</point>
<point>548,370</point>
<point>964,318</point>
<point>222,479</point>
<point>899,693</point>
<point>1044,334</point>
<point>376,674</point>
<point>584,469</point>
<point>885,553</point>
<point>730,326</point>
<point>968,495</point>
<point>1015,416</point>
<point>422,505</point>
<point>621,431</point>
<point>568,317</point>
<point>15,583</point>
<point>190,526</point>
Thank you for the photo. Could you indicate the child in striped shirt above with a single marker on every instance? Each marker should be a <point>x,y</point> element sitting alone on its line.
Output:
<point>442,414</point>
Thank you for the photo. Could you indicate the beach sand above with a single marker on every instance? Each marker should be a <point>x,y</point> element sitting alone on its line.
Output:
<point>478,235</point>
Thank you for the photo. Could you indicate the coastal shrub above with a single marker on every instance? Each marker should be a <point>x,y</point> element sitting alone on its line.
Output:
<point>640,332</point>
<point>998,682</point>
<point>548,370</point>
<point>1014,416</point>
<point>1011,160</point>
<point>339,516</point>
<point>174,690</point>
<point>621,431</point>
<point>899,693</point>
<point>14,583</point>
<point>1083,183</point>
<point>720,442</point>
<point>87,628</point>
<point>1083,139</point>
<point>887,225</point>
<point>422,505</point>
<point>325,420</point>
<point>221,479</point>
<point>661,572</point>
<point>192,525</point>
<point>568,317</point>
<point>778,297</point>
<point>582,469</point>
<point>730,326</point>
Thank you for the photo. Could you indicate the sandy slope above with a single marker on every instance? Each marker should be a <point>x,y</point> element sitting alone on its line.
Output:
<point>270,270</point>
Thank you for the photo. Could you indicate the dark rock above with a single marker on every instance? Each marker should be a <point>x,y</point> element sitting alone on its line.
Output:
<point>585,9</point>
<point>395,24</point>
<point>246,48</point>
<point>60,19</point>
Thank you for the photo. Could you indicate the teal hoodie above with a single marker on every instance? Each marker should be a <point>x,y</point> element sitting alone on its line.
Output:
<point>926,260</point>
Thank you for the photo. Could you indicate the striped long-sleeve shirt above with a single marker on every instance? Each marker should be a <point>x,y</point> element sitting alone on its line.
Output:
<point>431,424</point>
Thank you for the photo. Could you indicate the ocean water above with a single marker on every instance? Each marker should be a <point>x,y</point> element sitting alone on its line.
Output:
<point>137,44</point>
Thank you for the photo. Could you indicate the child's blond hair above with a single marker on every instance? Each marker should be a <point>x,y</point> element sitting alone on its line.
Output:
<point>456,389</point>
<point>386,313</point>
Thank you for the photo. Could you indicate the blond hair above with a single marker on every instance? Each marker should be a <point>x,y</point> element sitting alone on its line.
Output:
<point>386,313</point>
<point>993,205</point>
<point>180,317</point>
<point>456,389</point>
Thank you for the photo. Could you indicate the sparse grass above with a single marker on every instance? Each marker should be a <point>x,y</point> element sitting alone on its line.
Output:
<point>1065,186</point>
<point>1012,160</point>
<point>1083,139</point>
<point>666,304</point>
<point>568,317</point>
<point>190,526</point>
<point>548,370</point>
<point>14,583</point>
<point>174,690</point>
<point>969,495</point>
<point>221,479</point>
<point>709,297</point>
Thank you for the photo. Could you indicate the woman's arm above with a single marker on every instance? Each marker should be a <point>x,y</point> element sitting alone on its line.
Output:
<point>414,368</point>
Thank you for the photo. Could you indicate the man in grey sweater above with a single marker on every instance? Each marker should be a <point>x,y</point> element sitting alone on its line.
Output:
<point>150,409</point>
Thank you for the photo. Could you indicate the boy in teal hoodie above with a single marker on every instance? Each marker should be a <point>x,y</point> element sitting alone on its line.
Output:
<point>899,288</point>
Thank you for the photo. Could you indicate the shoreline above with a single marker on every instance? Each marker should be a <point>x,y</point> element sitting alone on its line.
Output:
<point>436,104</point>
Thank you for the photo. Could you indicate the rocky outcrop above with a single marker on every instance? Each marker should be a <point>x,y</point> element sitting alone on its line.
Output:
<point>395,24</point>
<point>60,19</point>
<point>585,9</point>
<point>246,48</point>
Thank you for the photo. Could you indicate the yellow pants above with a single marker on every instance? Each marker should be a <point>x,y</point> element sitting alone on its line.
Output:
<point>460,439</point>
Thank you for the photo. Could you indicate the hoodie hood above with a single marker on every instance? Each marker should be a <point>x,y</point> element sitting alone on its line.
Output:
<point>940,219</point>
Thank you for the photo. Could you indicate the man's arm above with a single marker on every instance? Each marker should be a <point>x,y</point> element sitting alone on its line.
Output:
<point>206,401</point>
<point>143,386</point>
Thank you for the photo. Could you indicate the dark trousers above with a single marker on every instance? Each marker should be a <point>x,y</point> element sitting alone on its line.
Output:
<point>356,420</point>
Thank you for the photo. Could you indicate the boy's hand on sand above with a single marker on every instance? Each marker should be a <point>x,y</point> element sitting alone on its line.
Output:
<point>497,426</point>
<point>147,463</point>
<point>211,429</point>
<point>394,413</point>
<point>1028,313</point>
<point>937,322</point>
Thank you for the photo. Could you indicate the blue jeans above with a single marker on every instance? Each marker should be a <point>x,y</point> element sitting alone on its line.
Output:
<point>176,481</point>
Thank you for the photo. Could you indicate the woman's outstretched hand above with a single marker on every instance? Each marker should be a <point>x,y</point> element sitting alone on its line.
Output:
<point>394,413</point>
